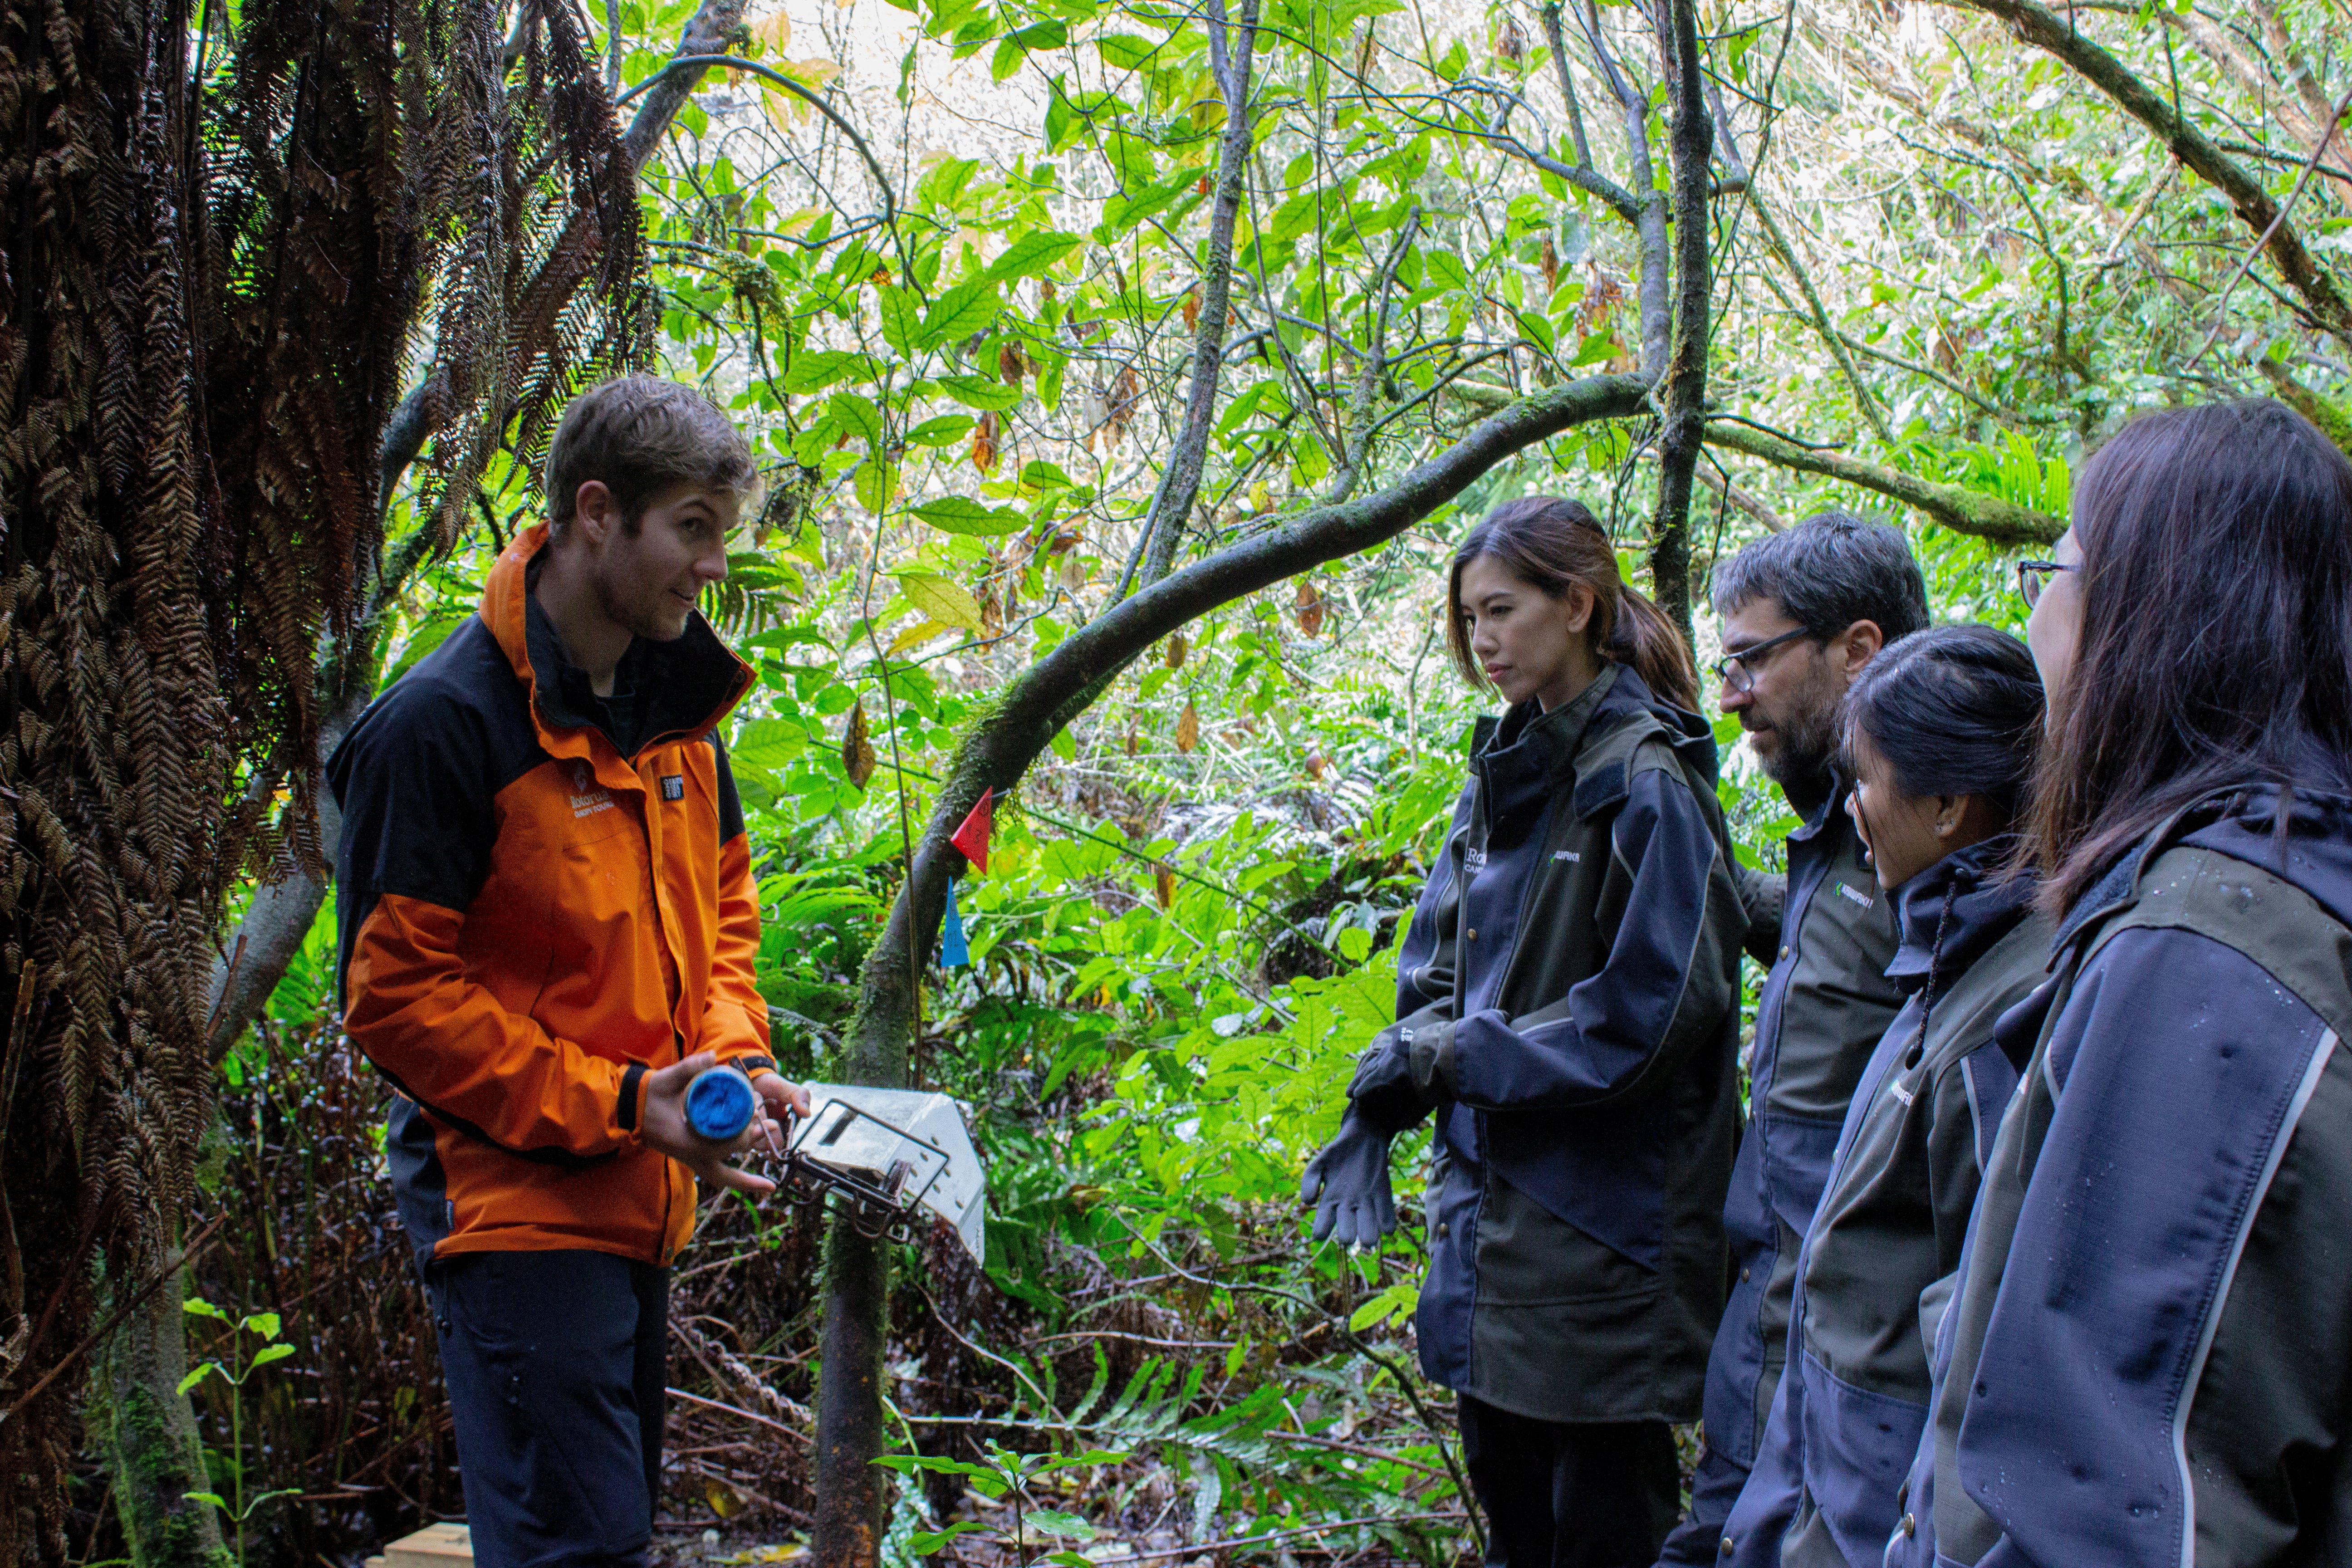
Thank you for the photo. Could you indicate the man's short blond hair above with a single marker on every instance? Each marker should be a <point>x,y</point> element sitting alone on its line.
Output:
<point>640,435</point>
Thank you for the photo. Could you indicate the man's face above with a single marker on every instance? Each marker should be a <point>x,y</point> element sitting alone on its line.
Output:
<point>648,582</point>
<point>1791,716</point>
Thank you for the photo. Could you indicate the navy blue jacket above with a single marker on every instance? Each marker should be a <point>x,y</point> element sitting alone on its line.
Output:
<point>1820,1015</point>
<point>1568,986</point>
<point>1891,1222</point>
<point>2147,1357</point>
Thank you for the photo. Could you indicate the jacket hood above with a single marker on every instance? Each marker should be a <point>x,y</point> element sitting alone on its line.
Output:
<point>1967,898</point>
<point>690,685</point>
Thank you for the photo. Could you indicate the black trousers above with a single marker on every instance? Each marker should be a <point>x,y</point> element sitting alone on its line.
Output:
<point>1571,1494</point>
<point>557,1363</point>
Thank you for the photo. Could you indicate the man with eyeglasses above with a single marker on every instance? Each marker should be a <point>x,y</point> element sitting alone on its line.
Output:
<point>1802,612</point>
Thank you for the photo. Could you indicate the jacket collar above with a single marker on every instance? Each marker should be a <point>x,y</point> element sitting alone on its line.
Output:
<point>1522,758</point>
<point>1967,895</point>
<point>688,686</point>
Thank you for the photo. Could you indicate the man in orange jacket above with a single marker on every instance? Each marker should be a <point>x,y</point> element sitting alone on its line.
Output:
<point>548,927</point>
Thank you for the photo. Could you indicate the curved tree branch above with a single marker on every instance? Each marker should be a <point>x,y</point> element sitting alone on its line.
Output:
<point>1962,511</point>
<point>995,754</point>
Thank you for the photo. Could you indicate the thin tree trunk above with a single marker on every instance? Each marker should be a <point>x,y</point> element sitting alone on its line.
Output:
<point>1690,149</point>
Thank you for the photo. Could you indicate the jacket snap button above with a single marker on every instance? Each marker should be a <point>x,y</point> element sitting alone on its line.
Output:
<point>1727,1546</point>
<point>1440,1230</point>
<point>1910,1526</point>
<point>1473,933</point>
<point>1746,1272</point>
<point>1784,952</point>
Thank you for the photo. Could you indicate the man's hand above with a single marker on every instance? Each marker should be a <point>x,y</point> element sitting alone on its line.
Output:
<point>1348,1186</point>
<point>664,1125</point>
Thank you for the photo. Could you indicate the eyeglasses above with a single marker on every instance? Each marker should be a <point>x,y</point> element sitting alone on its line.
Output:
<point>2033,576</point>
<point>1733,669</point>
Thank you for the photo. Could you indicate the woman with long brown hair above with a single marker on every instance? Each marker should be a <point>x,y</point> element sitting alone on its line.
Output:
<point>1568,1006</point>
<point>2147,1357</point>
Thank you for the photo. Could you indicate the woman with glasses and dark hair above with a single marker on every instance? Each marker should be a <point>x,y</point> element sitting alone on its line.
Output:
<point>1567,1005</point>
<point>2147,1357</point>
<point>1937,733</point>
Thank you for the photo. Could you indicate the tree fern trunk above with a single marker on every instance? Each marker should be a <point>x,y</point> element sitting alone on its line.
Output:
<point>149,1436</point>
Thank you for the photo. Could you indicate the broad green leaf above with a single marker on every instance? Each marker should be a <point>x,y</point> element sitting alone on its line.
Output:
<point>1049,1521</point>
<point>266,1324</point>
<point>960,312</point>
<point>1032,253</point>
<point>979,392</point>
<point>858,416</point>
<point>1125,51</point>
<point>961,514</point>
<point>197,1376</point>
<point>268,1353</point>
<point>942,598</point>
<point>197,1307</point>
<point>944,431</point>
<point>814,369</point>
<point>900,316</point>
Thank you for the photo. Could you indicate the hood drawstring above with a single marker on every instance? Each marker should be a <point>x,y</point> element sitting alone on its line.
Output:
<point>1927,997</point>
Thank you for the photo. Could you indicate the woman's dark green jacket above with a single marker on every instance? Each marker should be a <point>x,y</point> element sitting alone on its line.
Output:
<point>1567,1005</point>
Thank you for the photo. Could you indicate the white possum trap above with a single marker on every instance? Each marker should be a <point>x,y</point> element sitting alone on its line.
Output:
<point>894,1152</point>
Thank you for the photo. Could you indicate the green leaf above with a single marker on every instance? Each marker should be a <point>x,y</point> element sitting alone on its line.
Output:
<point>197,1307</point>
<point>814,369</point>
<point>1048,1522</point>
<point>1445,268</point>
<point>871,486</point>
<point>268,1353</point>
<point>1007,59</point>
<point>1032,253</point>
<point>899,316</point>
<point>961,514</point>
<point>1063,746</point>
<point>942,598</point>
<point>858,416</point>
<point>266,1324</point>
<point>1125,51</point>
<point>979,392</point>
<point>960,312</point>
<point>197,1376</point>
<point>944,431</point>
<point>214,1499</point>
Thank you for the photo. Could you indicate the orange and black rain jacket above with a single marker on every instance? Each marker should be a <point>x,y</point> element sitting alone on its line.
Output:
<point>530,921</point>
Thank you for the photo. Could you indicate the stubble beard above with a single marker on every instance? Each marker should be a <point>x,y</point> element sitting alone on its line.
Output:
<point>644,620</point>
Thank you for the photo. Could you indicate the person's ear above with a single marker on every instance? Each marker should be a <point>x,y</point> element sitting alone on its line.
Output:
<point>594,512</point>
<point>1860,646</point>
<point>1950,810</point>
<point>1580,600</point>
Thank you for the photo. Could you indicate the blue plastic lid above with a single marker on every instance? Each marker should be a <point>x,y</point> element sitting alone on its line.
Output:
<point>718,1104</point>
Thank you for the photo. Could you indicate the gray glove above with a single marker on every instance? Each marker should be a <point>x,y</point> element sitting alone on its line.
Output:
<point>1348,1186</point>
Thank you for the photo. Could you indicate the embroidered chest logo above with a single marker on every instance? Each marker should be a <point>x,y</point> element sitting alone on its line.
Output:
<point>587,797</point>
<point>1473,859</point>
<point>673,786</point>
<point>1571,856</point>
<point>1864,900</point>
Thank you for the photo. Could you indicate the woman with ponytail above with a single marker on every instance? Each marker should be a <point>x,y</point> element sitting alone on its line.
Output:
<point>1939,735</point>
<point>1568,1006</point>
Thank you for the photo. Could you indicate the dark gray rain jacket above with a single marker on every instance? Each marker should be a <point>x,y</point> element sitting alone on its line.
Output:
<point>1819,1015</point>
<point>1569,989</point>
<point>2147,1356</point>
<point>1886,1234</point>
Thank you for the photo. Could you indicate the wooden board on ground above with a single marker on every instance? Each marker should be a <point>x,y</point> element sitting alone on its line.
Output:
<point>434,1546</point>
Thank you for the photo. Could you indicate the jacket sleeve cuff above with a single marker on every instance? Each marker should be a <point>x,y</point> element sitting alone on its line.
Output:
<point>629,1110</point>
<point>1431,1048</point>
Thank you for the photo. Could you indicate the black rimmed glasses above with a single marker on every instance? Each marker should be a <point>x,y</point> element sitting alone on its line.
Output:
<point>1733,669</point>
<point>2033,576</point>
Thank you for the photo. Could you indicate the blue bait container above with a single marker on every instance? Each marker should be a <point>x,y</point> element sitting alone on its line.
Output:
<point>718,1104</point>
